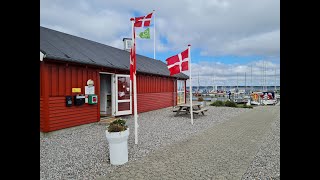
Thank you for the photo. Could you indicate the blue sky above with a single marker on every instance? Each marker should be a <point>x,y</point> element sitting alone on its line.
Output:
<point>228,37</point>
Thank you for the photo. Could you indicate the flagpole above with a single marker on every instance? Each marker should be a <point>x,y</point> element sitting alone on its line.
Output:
<point>134,89</point>
<point>191,107</point>
<point>154,35</point>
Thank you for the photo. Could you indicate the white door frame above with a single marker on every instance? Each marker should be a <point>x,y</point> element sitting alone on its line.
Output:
<point>115,100</point>
<point>112,92</point>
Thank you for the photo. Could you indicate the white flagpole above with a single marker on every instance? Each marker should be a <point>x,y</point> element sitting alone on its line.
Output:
<point>191,107</point>
<point>154,35</point>
<point>134,90</point>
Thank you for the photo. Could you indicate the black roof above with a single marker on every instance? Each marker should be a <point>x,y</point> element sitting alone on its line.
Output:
<point>61,46</point>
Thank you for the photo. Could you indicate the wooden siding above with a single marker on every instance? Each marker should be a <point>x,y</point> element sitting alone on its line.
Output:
<point>61,116</point>
<point>41,115</point>
<point>153,101</point>
<point>60,79</point>
<point>63,78</point>
<point>155,92</point>
<point>154,84</point>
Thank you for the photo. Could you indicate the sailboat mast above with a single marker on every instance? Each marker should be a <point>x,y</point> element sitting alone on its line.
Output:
<point>198,82</point>
<point>262,76</point>
<point>275,79</point>
<point>237,82</point>
<point>266,78</point>
<point>251,78</point>
<point>245,82</point>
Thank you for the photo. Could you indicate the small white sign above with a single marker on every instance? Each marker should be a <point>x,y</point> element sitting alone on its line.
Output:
<point>89,90</point>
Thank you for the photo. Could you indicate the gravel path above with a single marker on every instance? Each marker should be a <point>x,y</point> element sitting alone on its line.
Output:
<point>267,161</point>
<point>83,153</point>
<point>233,149</point>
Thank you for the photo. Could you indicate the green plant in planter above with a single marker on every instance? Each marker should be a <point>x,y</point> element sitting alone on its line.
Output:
<point>117,126</point>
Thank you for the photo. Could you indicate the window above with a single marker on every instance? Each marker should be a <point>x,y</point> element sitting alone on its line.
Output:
<point>181,92</point>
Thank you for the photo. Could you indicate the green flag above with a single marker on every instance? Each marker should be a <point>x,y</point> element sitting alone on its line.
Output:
<point>145,34</point>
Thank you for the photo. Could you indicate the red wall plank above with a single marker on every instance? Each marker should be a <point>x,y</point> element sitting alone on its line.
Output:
<point>64,117</point>
<point>41,115</point>
<point>153,101</point>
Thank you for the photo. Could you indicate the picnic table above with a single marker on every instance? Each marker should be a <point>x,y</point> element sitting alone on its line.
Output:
<point>186,108</point>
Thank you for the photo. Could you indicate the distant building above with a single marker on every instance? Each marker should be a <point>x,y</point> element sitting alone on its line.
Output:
<point>71,68</point>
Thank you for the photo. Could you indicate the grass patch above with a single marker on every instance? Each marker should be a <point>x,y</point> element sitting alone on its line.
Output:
<point>217,103</point>
<point>244,106</point>
<point>230,104</point>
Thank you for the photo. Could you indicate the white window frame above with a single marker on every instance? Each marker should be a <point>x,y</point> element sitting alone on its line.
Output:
<point>182,91</point>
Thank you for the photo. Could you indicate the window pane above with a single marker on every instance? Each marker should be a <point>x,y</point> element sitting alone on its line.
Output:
<point>123,88</point>
<point>180,97</point>
<point>180,85</point>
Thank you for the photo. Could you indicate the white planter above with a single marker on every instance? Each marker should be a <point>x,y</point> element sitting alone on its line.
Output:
<point>118,146</point>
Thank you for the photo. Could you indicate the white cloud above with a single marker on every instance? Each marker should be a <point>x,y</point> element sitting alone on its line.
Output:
<point>217,27</point>
<point>227,74</point>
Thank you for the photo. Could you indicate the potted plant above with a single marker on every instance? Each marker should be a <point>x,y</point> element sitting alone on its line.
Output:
<point>117,134</point>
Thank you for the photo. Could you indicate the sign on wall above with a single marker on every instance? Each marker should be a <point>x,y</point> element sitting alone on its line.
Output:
<point>89,90</point>
<point>76,90</point>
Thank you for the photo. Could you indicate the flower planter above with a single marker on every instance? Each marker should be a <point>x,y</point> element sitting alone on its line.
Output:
<point>118,146</point>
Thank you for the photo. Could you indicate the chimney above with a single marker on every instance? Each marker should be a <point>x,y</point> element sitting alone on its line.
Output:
<point>127,44</point>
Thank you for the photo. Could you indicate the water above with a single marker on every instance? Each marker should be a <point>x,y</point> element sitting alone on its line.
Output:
<point>205,89</point>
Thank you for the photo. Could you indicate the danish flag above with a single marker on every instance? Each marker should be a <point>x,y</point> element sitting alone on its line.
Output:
<point>178,63</point>
<point>132,61</point>
<point>143,21</point>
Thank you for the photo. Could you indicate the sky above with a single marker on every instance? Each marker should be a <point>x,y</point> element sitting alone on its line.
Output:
<point>228,37</point>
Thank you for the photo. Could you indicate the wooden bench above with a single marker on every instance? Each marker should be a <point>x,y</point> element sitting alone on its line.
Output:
<point>200,111</point>
<point>182,110</point>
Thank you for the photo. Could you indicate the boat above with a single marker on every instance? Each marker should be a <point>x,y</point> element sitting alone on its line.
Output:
<point>268,98</point>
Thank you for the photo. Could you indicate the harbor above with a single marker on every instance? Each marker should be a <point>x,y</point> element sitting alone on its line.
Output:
<point>255,95</point>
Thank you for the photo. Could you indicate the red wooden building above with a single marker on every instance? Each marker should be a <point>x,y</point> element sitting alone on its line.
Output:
<point>67,63</point>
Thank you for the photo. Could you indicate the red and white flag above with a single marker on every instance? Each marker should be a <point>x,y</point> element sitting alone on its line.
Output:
<point>132,61</point>
<point>143,21</point>
<point>178,63</point>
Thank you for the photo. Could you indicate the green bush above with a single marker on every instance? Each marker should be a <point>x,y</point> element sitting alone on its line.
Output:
<point>217,103</point>
<point>230,104</point>
<point>245,106</point>
<point>117,126</point>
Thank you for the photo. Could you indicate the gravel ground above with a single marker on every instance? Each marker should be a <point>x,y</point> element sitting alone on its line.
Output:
<point>266,164</point>
<point>83,153</point>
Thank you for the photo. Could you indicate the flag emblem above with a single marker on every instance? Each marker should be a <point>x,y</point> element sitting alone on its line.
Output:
<point>144,34</point>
